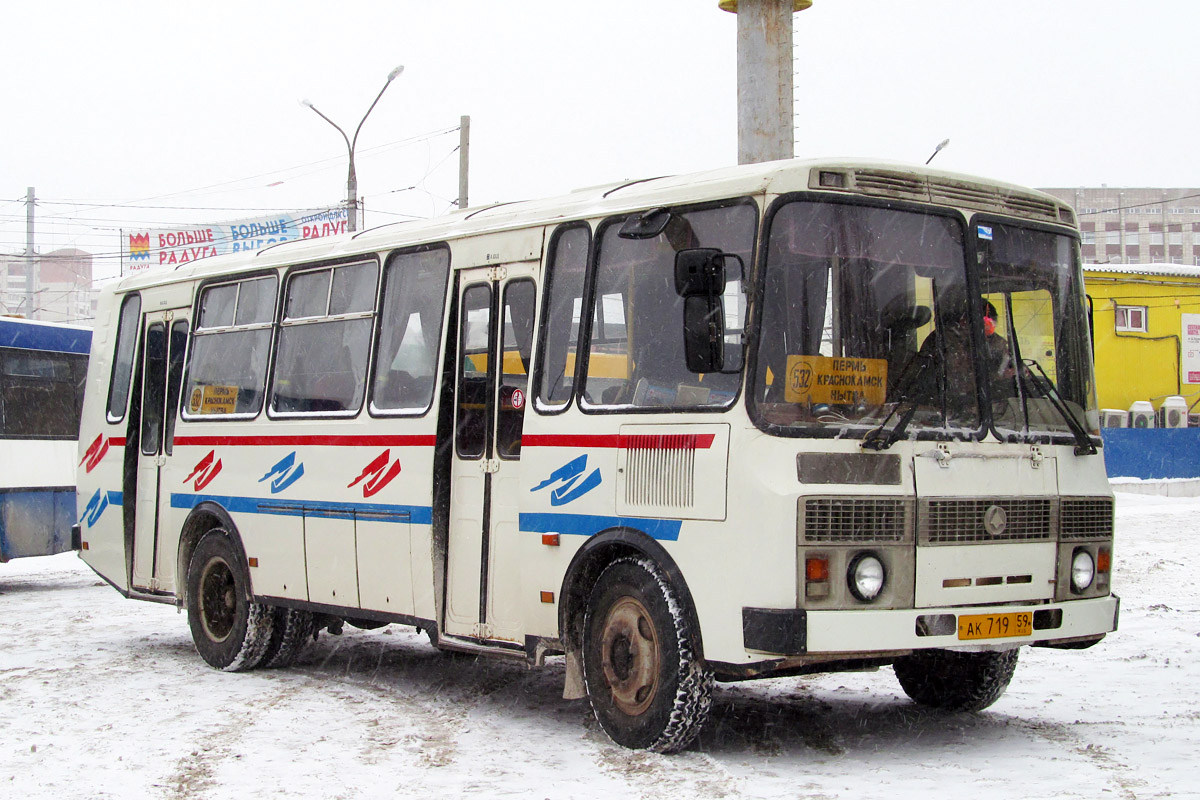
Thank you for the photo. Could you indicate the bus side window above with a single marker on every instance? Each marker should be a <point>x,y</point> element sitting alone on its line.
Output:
<point>635,348</point>
<point>324,340</point>
<point>123,355</point>
<point>410,330</point>
<point>564,309</point>
<point>39,393</point>
<point>515,352</point>
<point>227,366</point>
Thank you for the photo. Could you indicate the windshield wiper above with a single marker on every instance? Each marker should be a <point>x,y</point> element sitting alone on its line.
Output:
<point>880,438</point>
<point>1084,446</point>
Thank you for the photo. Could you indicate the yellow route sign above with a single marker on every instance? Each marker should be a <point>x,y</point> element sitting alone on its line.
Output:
<point>842,381</point>
<point>213,400</point>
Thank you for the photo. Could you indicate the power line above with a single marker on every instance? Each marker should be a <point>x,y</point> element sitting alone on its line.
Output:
<point>137,203</point>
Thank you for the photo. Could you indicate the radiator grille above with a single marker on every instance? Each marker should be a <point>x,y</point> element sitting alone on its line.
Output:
<point>855,519</point>
<point>661,470</point>
<point>1087,518</point>
<point>955,521</point>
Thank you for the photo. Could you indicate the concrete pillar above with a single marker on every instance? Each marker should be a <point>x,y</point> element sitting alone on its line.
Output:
<point>764,66</point>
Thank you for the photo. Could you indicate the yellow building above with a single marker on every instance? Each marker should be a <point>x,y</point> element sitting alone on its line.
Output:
<point>1146,322</point>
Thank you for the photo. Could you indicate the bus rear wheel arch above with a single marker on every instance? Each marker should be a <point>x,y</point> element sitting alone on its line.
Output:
<point>231,632</point>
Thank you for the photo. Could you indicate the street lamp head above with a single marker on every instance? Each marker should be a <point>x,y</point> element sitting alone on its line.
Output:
<point>395,73</point>
<point>941,146</point>
<point>305,102</point>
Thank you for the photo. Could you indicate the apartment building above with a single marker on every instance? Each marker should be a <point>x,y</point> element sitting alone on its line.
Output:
<point>1137,225</point>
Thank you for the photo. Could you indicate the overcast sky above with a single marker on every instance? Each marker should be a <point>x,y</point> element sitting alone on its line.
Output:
<point>128,115</point>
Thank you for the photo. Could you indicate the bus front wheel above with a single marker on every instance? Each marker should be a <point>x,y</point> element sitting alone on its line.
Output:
<point>956,681</point>
<point>231,632</point>
<point>646,686</point>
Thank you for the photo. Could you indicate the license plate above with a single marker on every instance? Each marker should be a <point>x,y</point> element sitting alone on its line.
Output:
<point>995,626</point>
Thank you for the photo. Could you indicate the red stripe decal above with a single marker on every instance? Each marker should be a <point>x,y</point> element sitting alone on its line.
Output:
<point>641,441</point>
<point>297,441</point>
<point>117,441</point>
<point>571,440</point>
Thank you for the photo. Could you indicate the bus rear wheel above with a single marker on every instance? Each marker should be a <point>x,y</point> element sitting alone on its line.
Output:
<point>646,686</point>
<point>956,681</point>
<point>231,632</point>
<point>292,631</point>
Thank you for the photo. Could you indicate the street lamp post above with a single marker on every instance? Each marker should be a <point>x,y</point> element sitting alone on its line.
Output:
<point>351,177</point>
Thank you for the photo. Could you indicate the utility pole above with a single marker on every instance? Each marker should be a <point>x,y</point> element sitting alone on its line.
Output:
<point>30,266</point>
<point>464,158</point>
<point>764,77</point>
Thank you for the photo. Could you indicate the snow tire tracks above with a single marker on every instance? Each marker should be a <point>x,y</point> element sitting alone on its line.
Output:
<point>1122,773</point>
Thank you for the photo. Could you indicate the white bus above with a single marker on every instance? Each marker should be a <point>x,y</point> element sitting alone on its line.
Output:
<point>767,420</point>
<point>42,370</point>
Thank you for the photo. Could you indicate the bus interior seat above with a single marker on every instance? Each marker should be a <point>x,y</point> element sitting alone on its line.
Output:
<point>335,390</point>
<point>399,389</point>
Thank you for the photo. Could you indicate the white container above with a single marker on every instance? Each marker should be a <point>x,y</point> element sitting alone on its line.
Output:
<point>1114,418</point>
<point>1141,414</point>
<point>1174,412</point>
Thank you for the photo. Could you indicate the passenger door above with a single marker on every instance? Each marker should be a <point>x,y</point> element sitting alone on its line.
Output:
<point>165,334</point>
<point>496,319</point>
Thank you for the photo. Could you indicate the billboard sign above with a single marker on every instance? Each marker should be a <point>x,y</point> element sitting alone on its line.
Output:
<point>1190,355</point>
<point>170,247</point>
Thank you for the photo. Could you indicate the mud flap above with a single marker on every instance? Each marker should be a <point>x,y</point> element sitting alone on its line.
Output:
<point>573,688</point>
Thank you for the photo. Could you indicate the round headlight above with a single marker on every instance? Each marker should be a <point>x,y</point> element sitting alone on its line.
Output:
<point>866,577</point>
<point>1083,570</point>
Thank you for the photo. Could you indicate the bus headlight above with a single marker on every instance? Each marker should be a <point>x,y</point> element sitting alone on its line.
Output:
<point>1083,570</point>
<point>866,576</point>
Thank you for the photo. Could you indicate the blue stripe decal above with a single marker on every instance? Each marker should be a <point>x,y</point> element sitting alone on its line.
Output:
<point>419,515</point>
<point>116,498</point>
<point>589,525</point>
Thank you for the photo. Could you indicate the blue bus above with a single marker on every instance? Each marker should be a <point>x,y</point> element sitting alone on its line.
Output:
<point>43,367</point>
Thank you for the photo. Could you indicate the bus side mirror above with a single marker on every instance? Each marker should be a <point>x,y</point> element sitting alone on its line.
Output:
<point>700,281</point>
<point>700,271</point>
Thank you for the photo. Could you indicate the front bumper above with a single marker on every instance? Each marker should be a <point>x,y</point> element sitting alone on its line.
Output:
<point>790,632</point>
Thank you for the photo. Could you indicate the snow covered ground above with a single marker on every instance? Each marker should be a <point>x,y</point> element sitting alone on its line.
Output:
<point>105,697</point>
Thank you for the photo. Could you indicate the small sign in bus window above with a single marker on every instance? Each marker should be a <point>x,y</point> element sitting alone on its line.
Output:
<point>822,379</point>
<point>213,400</point>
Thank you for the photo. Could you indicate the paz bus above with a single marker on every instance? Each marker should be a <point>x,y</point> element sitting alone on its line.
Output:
<point>767,420</point>
<point>42,371</point>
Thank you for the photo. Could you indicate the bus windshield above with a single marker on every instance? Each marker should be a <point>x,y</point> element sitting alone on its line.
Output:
<point>1031,280</point>
<point>867,321</point>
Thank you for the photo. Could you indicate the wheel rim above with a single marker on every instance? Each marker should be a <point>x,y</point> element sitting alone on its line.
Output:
<point>630,656</point>
<point>218,600</point>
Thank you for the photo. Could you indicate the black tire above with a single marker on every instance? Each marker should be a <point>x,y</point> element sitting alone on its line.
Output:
<point>955,681</point>
<point>231,632</point>
<point>646,686</point>
<point>291,634</point>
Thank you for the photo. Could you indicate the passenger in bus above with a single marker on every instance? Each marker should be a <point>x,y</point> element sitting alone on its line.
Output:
<point>997,357</point>
<point>944,360</point>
